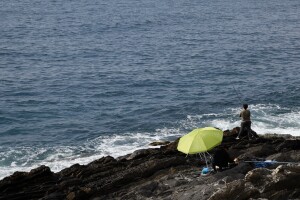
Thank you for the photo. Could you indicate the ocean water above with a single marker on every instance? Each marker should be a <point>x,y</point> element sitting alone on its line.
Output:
<point>84,79</point>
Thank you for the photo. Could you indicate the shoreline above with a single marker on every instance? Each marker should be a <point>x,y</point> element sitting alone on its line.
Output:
<point>162,173</point>
<point>154,144</point>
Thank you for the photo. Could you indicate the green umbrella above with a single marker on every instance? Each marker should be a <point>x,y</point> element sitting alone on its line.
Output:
<point>200,140</point>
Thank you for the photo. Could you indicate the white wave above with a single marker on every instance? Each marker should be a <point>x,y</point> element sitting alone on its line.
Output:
<point>266,118</point>
<point>58,158</point>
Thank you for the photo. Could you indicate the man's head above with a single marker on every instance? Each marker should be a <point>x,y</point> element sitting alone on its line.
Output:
<point>245,106</point>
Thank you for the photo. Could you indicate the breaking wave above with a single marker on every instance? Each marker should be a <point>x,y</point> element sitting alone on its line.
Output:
<point>267,118</point>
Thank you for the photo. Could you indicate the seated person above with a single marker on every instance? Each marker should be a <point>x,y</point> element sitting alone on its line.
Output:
<point>221,159</point>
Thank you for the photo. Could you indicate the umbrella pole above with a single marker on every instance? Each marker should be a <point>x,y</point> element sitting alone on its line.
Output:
<point>210,157</point>
<point>200,156</point>
<point>205,159</point>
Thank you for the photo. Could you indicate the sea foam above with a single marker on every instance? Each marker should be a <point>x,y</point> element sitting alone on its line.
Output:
<point>265,118</point>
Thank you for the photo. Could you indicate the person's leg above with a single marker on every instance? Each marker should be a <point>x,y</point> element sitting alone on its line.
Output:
<point>241,130</point>
<point>254,134</point>
<point>248,128</point>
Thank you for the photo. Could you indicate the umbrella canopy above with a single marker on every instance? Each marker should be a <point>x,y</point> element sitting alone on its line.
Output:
<point>200,140</point>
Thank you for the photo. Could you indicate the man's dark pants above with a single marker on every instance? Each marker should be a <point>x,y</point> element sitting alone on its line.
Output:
<point>245,125</point>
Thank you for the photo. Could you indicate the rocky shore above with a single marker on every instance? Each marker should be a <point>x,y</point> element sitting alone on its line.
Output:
<point>165,173</point>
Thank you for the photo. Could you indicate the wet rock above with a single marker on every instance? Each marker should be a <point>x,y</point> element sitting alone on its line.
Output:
<point>159,143</point>
<point>165,173</point>
<point>262,150</point>
<point>235,190</point>
<point>151,189</point>
<point>235,131</point>
<point>71,182</point>
<point>73,171</point>
<point>77,195</point>
<point>258,177</point>
<point>27,185</point>
<point>281,181</point>
<point>289,145</point>
<point>171,147</point>
<point>54,196</point>
<point>290,156</point>
<point>275,135</point>
<point>139,154</point>
<point>227,133</point>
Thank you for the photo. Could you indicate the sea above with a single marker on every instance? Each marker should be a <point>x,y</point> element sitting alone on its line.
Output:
<point>84,79</point>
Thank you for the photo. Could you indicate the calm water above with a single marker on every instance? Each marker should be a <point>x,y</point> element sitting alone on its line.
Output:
<point>83,79</point>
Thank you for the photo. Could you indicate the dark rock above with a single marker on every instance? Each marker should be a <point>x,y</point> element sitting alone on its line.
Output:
<point>171,146</point>
<point>147,190</point>
<point>277,182</point>
<point>54,196</point>
<point>104,160</point>
<point>289,145</point>
<point>295,194</point>
<point>143,170</point>
<point>280,195</point>
<point>235,190</point>
<point>260,151</point>
<point>77,195</point>
<point>235,131</point>
<point>139,154</point>
<point>70,182</point>
<point>282,136</point>
<point>165,173</point>
<point>27,185</point>
<point>227,133</point>
<point>159,143</point>
<point>241,169</point>
<point>290,156</point>
<point>73,171</point>
<point>259,177</point>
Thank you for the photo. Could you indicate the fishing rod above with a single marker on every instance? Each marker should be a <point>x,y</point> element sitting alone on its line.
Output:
<point>239,96</point>
<point>271,162</point>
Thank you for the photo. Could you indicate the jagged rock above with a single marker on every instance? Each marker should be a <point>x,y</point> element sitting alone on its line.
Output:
<point>235,131</point>
<point>165,173</point>
<point>159,143</point>
<point>139,154</point>
<point>289,145</point>
<point>227,133</point>
<point>77,195</point>
<point>70,182</point>
<point>72,171</point>
<point>28,185</point>
<point>278,182</point>
<point>104,160</point>
<point>235,190</point>
<point>171,146</point>
<point>275,135</point>
<point>54,196</point>
<point>262,150</point>
<point>148,188</point>
<point>145,169</point>
<point>259,177</point>
<point>290,156</point>
<point>240,170</point>
<point>284,177</point>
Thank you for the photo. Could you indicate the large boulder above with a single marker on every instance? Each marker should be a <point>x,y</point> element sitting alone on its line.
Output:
<point>238,189</point>
<point>280,183</point>
<point>290,156</point>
